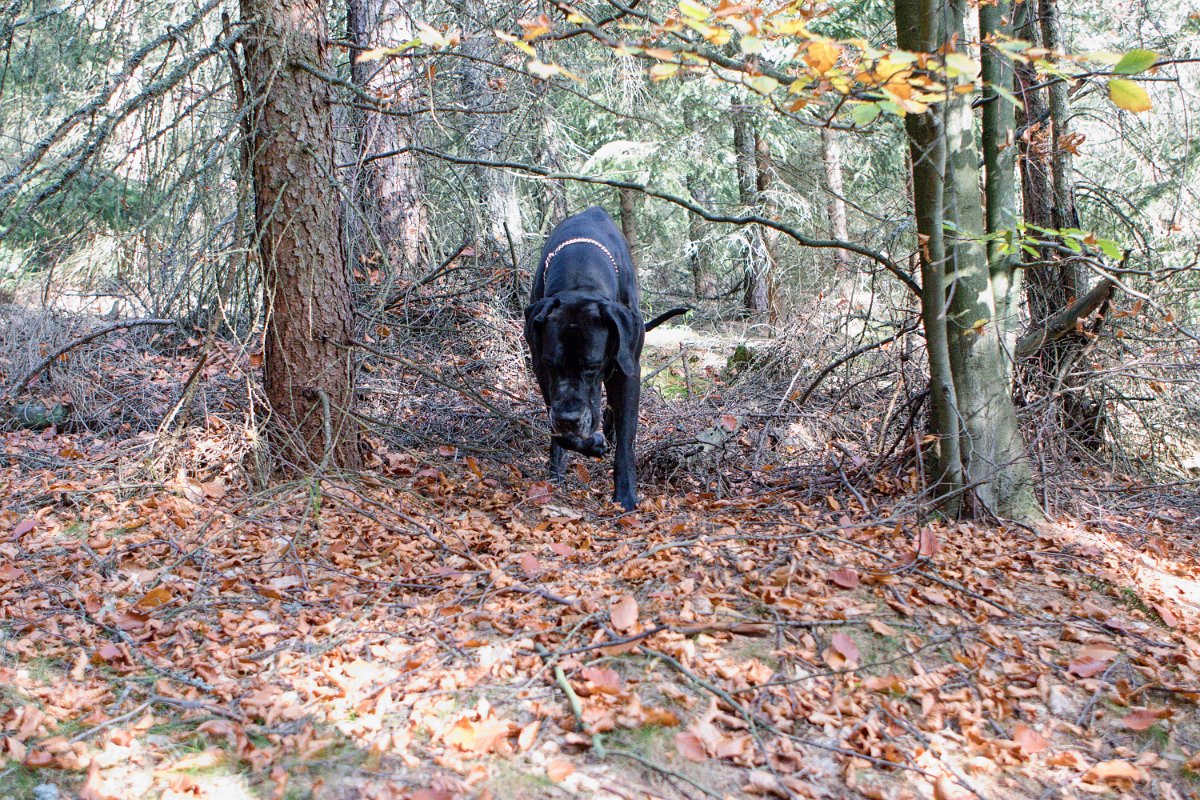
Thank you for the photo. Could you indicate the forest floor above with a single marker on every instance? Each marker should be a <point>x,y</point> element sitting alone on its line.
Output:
<point>446,624</point>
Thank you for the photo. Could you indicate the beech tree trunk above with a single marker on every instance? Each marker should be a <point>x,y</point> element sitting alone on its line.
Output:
<point>991,448</point>
<point>308,370</point>
<point>388,190</point>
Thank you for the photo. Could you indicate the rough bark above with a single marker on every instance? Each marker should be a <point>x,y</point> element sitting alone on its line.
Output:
<point>767,284</point>
<point>308,372</point>
<point>387,191</point>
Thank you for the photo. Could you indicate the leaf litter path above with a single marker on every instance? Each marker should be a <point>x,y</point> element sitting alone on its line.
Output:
<point>441,628</point>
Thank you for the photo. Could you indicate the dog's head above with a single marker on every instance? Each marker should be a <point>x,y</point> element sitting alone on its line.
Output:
<point>578,341</point>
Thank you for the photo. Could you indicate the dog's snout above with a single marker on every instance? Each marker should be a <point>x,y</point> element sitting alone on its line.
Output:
<point>566,420</point>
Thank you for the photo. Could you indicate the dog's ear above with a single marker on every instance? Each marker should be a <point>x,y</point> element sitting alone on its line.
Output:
<point>535,317</point>
<point>622,321</point>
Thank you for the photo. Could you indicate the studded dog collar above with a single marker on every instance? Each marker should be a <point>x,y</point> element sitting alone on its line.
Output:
<point>582,240</point>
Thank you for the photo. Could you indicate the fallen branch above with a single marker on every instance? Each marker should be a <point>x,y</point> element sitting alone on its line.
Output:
<point>1063,323</point>
<point>20,385</point>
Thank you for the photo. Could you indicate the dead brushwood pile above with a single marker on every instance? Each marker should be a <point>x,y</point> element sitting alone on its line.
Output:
<point>449,625</point>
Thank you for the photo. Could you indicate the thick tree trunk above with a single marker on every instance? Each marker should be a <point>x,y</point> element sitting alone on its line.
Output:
<point>501,234</point>
<point>308,371</point>
<point>991,447</point>
<point>388,191</point>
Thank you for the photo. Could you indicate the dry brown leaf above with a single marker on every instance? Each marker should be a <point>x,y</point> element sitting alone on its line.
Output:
<point>844,577</point>
<point>1142,718</point>
<point>530,565</point>
<point>844,645</point>
<point>558,770</point>
<point>689,746</point>
<point>624,614</point>
<point>528,735</point>
<point>1030,741</point>
<point>1116,771</point>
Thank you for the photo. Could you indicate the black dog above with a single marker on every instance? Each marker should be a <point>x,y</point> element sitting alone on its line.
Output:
<point>584,328</point>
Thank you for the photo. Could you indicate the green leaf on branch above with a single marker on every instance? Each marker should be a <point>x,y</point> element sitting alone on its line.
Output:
<point>1128,95</point>
<point>1135,61</point>
<point>1109,248</point>
<point>865,113</point>
<point>693,9</point>
<point>763,84</point>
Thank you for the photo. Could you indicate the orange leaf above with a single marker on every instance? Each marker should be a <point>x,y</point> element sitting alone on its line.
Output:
<point>528,735</point>
<point>603,679</point>
<point>927,543</point>
<point>1113,771</point>
<point>530,565</point>
<point>1030,741</point>
<point>822,55</point>
<point>23,527</point>
<point>156,597</point>
<point>558,770</point>
<point>624,614</point>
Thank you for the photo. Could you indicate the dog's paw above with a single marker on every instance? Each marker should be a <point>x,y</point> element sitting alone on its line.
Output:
<point>629,501</point>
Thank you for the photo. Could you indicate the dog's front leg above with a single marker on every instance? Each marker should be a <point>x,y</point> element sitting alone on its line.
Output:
<point>558,461</point>
<point>623,394</point>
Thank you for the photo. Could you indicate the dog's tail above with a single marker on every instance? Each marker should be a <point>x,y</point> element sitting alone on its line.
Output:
<point>666,315</point>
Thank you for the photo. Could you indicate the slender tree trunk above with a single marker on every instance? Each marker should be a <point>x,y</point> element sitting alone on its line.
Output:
<point>767,285</point>
<point>835,203</point>
<point>999,174</point>
<point>388,191</point>
<point>991,447</point>
<point>629,222</point>
<point>501,235</point>
<point>702,283</point>
<point>308,371</point>
<point>1057,281</point>
<point>927,152</point>
<point>756,271</point>
<point>553,195</point>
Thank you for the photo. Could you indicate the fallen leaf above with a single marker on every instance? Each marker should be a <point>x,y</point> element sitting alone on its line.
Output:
<point>1142,718</point>
<point>558,770</point>
<point>1116,771</point>
<point>689,746</point>
<point>624,614</point>
<point>1030,741</point>
<point>845,646</point>
<point>530,565</point>
<point>844,577</point>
